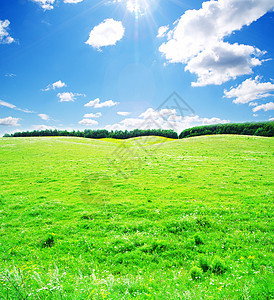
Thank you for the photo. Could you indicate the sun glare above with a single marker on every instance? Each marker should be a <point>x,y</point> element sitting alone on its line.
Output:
<point>137,7</point>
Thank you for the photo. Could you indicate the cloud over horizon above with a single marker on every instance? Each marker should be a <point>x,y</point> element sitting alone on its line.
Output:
<point>163,119</point>
<point>88,122</point>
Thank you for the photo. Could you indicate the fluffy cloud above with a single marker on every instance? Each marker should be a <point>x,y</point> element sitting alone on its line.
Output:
<point>91,115</point>
<point>88,122</point>
<point>162,31</point>
<point>163,119</point>
<point>43,127</point>
<point>44,117</point>
<point>5,38</point>
<point>250,90</point>
<point>222,62</point>
<point>56,85</point>
<point>123,113</point>
<point>271,119</point>
<point>9,121</point>
<point>197,40</point>
<point>107,33</point>
<point>68,97</point>
<point>72,1</point>
<point>96,103</point>
<point>45,4</point>
<point>150,113</point>
<point>253,104</point>
<point>265,107</point>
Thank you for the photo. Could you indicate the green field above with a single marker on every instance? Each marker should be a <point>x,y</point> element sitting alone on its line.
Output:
<point>145,218</point>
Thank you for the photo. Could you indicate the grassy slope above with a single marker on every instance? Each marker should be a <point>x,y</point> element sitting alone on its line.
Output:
<point>110,219</point>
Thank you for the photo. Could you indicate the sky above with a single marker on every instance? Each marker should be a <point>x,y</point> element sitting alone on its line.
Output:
<point>126,64</point>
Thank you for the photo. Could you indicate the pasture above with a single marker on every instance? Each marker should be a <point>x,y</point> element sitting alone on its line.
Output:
<point>144,218</point>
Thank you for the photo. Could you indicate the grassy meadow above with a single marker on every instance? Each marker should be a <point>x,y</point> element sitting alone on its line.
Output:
<point>144,218</point>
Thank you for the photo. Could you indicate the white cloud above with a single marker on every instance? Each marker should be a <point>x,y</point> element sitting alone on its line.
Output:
<point>9,105</point>
<point>43,127</point>
<point>163,119</point>
<point>271,119</point>
<point>45,4</point>
<point>154,114</point>
<point>123,113</point>
<point>44,117</point>
<point>6,104</point>
<point>250,90</point>
<point>9,121</point>
<point>11,75</point>
<point>91,115</point>
<point>72,1</point>
<point>253,104</point>
<point>96,103</point>
<point>222,62</point>
<point>265,107</point>
<point>5,38</point>
<point>197,40</point>
<point>162,31</point>
<point>25,110</point>
<point>107,33</point>
<point>88,122</point>
<point>68,97</point>
<point>56,85</point>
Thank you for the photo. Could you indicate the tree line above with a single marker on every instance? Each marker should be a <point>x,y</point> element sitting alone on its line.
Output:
<point>259,129</point>
<point>98,134</point>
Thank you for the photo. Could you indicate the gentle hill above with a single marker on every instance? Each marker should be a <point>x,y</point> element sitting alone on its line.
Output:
<point>105,219</point>
<point>253,128</point>
<point>142,140</point>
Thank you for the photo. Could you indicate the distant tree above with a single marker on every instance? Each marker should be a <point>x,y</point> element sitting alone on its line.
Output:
<point>260,128</point>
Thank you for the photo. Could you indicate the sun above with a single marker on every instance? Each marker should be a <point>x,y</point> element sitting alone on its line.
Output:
<point>138,7</point>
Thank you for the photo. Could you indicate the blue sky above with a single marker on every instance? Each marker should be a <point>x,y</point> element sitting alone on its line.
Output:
<point>73,64</point>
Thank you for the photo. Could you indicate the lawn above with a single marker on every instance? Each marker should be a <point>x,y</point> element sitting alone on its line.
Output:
<point>144,218</point>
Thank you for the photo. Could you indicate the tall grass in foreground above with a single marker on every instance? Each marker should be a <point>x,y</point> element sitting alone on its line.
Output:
<point>172,285</point>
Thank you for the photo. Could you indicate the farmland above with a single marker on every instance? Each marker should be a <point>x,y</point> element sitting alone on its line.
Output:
<point>144,218</point>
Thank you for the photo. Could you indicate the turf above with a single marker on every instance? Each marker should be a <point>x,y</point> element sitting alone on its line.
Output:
<point>145,218</point>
